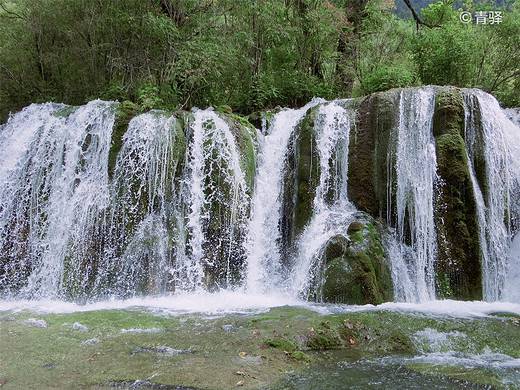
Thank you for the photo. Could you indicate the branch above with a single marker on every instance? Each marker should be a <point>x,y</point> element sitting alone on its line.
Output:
<point>416,17</point>
<point>13,15</point>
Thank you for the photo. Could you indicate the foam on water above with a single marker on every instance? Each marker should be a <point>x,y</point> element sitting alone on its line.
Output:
<point>228,302</point>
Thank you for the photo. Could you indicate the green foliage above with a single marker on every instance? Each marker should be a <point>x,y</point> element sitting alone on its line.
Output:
<point>383,59</point>
<point>445,56</point>
<point>248,54</point>
<point>386,78</point>
<point>439,13</point>
<point>149,97</point>
<point>486,56</point>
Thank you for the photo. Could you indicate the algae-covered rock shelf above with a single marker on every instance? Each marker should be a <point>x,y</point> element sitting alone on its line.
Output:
<point>406,195</point>
<point>283,348</point>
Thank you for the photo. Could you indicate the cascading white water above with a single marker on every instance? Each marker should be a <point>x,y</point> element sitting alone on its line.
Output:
<point>55,189</point>
<point>263,255</point>
<point>416,165</point>
<point>216,177</point>
<point>497,140</point>
<point>162,220</point>
<point>514,115</point>
<point>144,204</point>
<point>332,211</point>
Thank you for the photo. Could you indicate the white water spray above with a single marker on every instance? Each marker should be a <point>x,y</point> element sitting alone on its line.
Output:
<point>332,211</point>
<point>416,167</point>
<point>217,177</point>
<point>264,268</point>
<point>495,140</point>
<point>57,189</point>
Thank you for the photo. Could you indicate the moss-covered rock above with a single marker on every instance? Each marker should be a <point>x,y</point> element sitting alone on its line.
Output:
<point>372,169</point>
<point>145,216</point>
<point>372,153</point>
<point>227,207</point>
<point>224,108</point>
<point>458,268</point>
<point>307,171</point>
<point>301,178</point>
<point>119,348</point>
<point>262,120</point>
<point>354,269</point>
<point>361,186</point>
<point>126,110</point>
<point>245,139</point>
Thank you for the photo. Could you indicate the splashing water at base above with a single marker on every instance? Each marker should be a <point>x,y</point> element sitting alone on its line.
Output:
<point>264,270</point>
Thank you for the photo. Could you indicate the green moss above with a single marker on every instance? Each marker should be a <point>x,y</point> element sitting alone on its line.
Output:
<point>341,284</point>
<point>354,270</point>
<point>451,157</point>
<point>245,136</point>
<point>320,341</point>
<point>285,312</point>
<point>477,376</point>
<point>449,112</point>
<point>300,355</point>
<point>126,110</point>
<point>458,264</point>
<point>442,285</point>
<point>224,108</point>
<point>307,170</point>
<point>372,152</point>
<point>65,112</point>
<point>280,343</point>
<point>258,117</point>
<point>56,357</point>
<point>356,235</point>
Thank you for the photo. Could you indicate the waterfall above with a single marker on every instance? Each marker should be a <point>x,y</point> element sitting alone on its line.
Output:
<point>332,211</point>
<point>264,271</point>
<point>146,212</point>
<point>493,148</point>
<point>514,115</point>
<point>196,201</point>
<point>416,175</point>
<point>219,203</point>
<point>55,188</point>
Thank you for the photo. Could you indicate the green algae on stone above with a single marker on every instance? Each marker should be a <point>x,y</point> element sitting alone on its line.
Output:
<point>361,186</point>
<point>226,212</point>
<point>353,268</point>
<point>263,120</point>
<point>307,170</point>
<point>372,153</point>
<point>132,345</point>
<point>300,180</point>
<point>245,137</point>
<point>455,212</point>
<point>126,110</point>
<point>66,111</point>
<point>280,343</point>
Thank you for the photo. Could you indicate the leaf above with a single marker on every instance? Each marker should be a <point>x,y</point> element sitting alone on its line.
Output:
<point>352,341</point>
<point>241,383</point>
<point>242,354</point>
